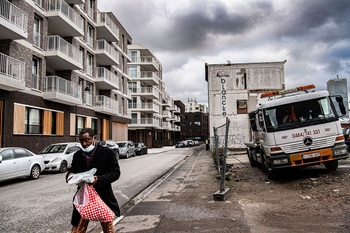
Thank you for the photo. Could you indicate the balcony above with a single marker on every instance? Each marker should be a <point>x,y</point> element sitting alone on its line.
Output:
<point>144,107</point>
<point>63,20</point>
<point>147,62</point>
<point>61,55</point>
<point>13,21</point>
<point>106,54</point>
<point>166,125</point>
<point>106,105</point>
<point>144,122</point>
<point>145,92</point>
<point>149,78</point>
<point>62,91</point>
<point>166,114</point>
<point>106,28</point>
<point>105,79</point>
<point>11,73</point>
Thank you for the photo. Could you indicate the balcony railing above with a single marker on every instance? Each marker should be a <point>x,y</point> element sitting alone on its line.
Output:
<point>144,106</point>
<point>103,17</point>
<point>64,8</point>
<point>13,14</point>
<point>107,75</point>
<point>11,67</point>
<point>58,84</point>
<point>107,48</point>
<point>105,101</point>
<point>146,60</point>
<point>56,43</point>
<point>145,121</point>
<point>88,99</point>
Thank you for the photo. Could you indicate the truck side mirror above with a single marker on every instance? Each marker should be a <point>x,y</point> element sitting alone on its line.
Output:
<point>342,107</point>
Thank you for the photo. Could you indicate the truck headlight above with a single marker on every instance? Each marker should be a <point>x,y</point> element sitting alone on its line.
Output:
<point>280,161</point>
<point>340,152</point>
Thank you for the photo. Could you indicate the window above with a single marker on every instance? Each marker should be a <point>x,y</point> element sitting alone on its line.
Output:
<point>132,87</point>
<point>36,31</point>
<point>7,154</point>
<point>81,49</point>
<point>133,102</point>
<point>90,36</point>
<point>37,2</point>
<point>33,121</point>
<point>123,105</point>
<point>94,125</point>
<point>20,153</point>
<point>89,64</point>
<point>242,107</point>
<point>133,56</point>
<point>91,4</point>
<point>134,118</point>
<point>35,73</point>
<point>80,124</point>
<point>133,71</point>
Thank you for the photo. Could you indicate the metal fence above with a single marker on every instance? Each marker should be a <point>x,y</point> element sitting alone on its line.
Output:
<point>220,149</point>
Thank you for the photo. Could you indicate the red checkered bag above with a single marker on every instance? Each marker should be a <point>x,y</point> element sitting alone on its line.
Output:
<point>90,206</point>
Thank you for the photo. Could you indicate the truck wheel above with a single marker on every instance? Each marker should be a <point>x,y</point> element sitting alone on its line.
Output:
<point>271,174</point>
<point>252,161</point>
<point>331,165</point>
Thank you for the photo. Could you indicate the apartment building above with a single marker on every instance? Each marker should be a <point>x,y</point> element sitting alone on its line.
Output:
<point>196,121</point>
<point>63,66</point>
<point>154,116</point>
<point>193,106</point>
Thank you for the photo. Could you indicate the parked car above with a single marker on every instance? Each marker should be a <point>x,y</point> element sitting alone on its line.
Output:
<point>126,149</point>
<point>189,143</point>
<point>346,133</point>
<point>111,145</point>
<point>18,162</point>
<point>180,144</point>
<point>140,148</point>
<point>59,156</point>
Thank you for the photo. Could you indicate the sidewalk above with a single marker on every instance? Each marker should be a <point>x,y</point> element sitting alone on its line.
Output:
<point>184,202</point>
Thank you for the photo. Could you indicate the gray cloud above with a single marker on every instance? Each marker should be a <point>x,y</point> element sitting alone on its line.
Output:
<point>312,35</point>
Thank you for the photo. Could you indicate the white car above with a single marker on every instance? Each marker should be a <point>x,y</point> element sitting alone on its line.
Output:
<point>18,162</point>
<point>59,156</point>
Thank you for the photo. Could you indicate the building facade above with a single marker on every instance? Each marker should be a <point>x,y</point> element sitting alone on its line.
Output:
<point>233,91</point>
<point>63,66</point>
<point>196,121</point>
<point>154,116</point>
<point>180,135</point>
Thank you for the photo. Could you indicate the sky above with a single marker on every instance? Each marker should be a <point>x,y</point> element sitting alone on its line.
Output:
<point>312,35</point>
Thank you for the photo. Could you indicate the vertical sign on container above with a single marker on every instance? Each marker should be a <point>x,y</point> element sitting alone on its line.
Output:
<point>222,75</point>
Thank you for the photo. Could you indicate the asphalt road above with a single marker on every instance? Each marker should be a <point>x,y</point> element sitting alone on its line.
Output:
<point>45,205</point>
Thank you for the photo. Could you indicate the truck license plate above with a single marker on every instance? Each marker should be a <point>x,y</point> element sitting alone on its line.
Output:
<point>313,155</point>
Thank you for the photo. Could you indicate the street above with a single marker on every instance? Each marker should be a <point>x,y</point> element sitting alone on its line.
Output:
<point>45,205</point>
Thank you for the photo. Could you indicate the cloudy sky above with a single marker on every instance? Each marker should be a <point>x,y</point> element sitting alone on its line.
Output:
<point>312,35</point>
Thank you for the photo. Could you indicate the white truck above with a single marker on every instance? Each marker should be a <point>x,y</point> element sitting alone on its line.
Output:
<point>296,127</point>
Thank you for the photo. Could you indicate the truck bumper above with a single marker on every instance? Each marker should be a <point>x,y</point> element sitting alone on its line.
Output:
<point>312,157</point>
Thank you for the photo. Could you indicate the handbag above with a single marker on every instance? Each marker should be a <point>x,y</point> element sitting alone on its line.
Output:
<point>90,205</point>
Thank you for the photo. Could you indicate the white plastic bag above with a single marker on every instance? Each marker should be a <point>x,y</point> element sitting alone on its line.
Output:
<point>80,178</point>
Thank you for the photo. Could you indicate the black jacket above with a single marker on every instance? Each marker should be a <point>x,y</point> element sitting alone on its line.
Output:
<point>108,171</point>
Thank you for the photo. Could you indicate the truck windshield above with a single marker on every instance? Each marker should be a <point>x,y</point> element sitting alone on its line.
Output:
<point>299,114</point>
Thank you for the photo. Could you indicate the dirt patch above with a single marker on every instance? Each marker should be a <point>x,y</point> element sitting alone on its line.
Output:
<point>309,199</point>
